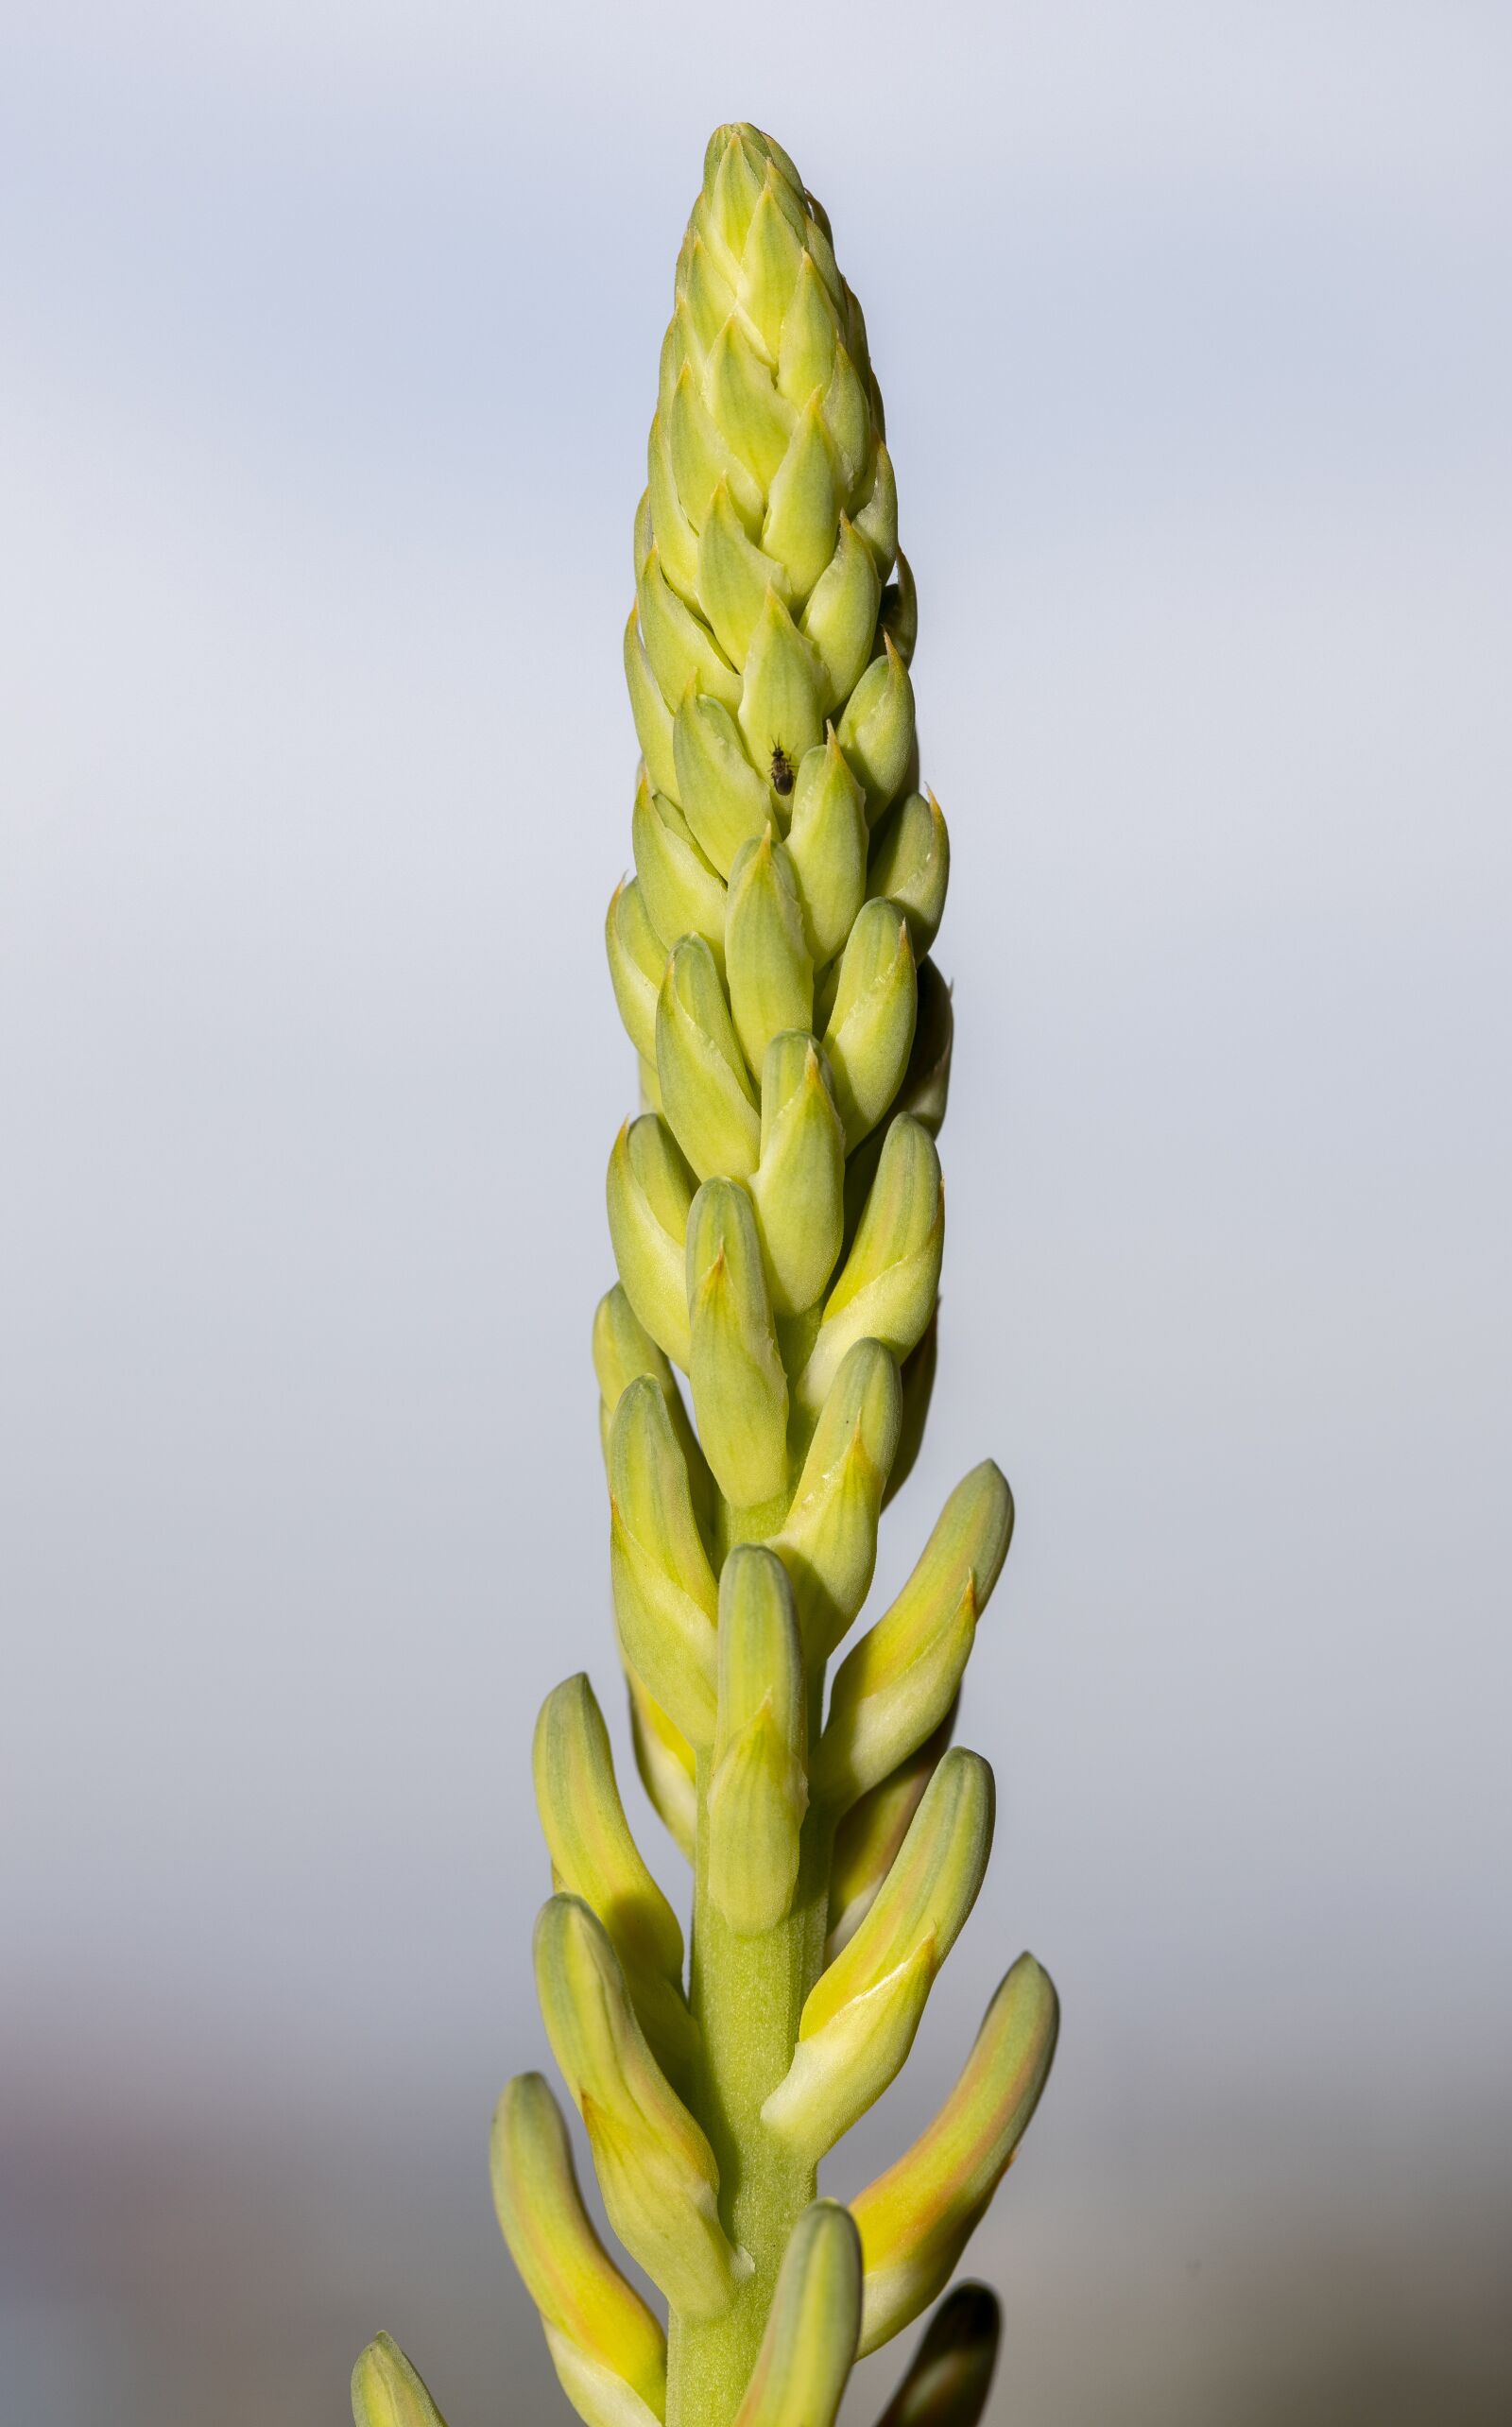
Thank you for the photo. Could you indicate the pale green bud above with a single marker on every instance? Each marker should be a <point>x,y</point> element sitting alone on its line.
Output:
<point>754,416</point>
<point>724,799</point>
<point>706,1087</point>
<point>636,959</point>
<point>665,1598</point>
<point>926,1080</point>
<point>878,519</point>
<point>802,511</point>
<point>610,2352</point>
<point>827,841</point>
<point>867,1839</point>
<point>388,2392</point>
<point>805,356</point>
<point>870,1026</point>
<point>655,2168</point>
<point>739,1386</point>
<point>828,1537</point>
<point>877,728</point>
<point>798,1185</point>
<point>683,894</point>
<point>893,1690</point>
<point>950,2374</point>
<point>780,703</point>
<point>911,864</point>
<point>758,1792</point>
<point>771,976</point>
<point>735,576</point>
<point>860,2018</point>
<point>623,1350</point>
<point>675,535</point>
<point>594,1856</point>
<point>653,719</point>
<point>848,420</point>
<point>668,1768</point>
<point>917,2218</point>
<point>768,265</point>
<point>840,619</point>
<point>809,2342</point>
<point>701,458</point>
<point>649,1189</point>
<point>679,645</point>
<point>889,1283</point>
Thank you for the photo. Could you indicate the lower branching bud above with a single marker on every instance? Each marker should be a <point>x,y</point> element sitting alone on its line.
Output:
<point>739,1386</point>
<point>867,1839</point>
<point>758,1793</point>
<point>887,1286</point>
<point>665,1597</point>
<point>388,2392</point>
<point>809,2342</point>
<point>951,2375</point>
<point>828,1537</point>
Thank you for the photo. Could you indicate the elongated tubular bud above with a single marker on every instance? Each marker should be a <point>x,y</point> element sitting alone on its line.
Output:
<point>827,842</point>
<point>828,1537</point>
<point>798,1186</point>
<point>667,1765</point>
<point>649,1190</point>
<point>724,799</point>
<point>739,1386</point>
<point>887,1285</point>
<point>867,1839</point>
<point>653,721</point>
<point>910,866</point>
<point>870,1026</point>
<point>594,1856</point>
<point>610,2352</point>
<point>809,2342</point>
<point>758,1793</point>
<point>860,2018</point>
<point>876,731</point>
<point>665,1597</point>
<point>655,2168</point>
<point>893,1690</point>
<point>771,975</point>
<point>623,1351</point>
<point>388,2392</point>
<point>682,895</point>
<point>950,2374</point>
<point>916,2219</point>
<point>636,959</point>
<point>706,1089</point>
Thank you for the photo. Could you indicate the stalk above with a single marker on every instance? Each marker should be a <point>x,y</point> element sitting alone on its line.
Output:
<point>765,1364</point>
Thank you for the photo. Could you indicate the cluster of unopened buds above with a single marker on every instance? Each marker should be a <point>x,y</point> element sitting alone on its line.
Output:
<point>777,1217</point>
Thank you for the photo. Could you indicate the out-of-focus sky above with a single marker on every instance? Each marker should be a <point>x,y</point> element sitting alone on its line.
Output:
<point>327,349</point>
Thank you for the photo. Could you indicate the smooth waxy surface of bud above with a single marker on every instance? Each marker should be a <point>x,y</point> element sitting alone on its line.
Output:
<point>666,1596</point>
<point>649,1190</point>
<point>867,1839</point>
<point>388,2392</point>
<point>950,2376</point>
<point>910,866</point>
<point>739,1385</point>
<point>759,1791</point>
<point>887,1286</point>
<point>829,1538</point>
<point>810,2341</point>
<point>798,1186</point>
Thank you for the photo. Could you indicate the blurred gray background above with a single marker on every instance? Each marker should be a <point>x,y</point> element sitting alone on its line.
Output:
<point>328,345</point>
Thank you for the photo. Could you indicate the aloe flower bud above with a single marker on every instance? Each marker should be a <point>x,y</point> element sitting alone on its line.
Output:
<point>682,895</point>
<point>387,2392</point>
<point>608,2349</point>
<point>706,1089</point>
<point>887,1286</point>
<point>910,866</point>
<point>870,1027</point>
<point>759,1792</point>
<point>771,974</point>
<point>867,1839</point>
<point>810,2341</point>
<point>668,1768</point>
<point>895,1688</point>
<point>666,1596</point>
<point>637,960</point>
<point>798,1186</point>
<point>739,1387</point>
<point>655,2168</point>
<point>860,2019</point>
<point>914,2220</point>
<point>594,1856</point>
<point>827,844</point>
<point>829,1538</point>
<point>951,2375</point>
<point>649,1191</point>
<point>623,1351</point>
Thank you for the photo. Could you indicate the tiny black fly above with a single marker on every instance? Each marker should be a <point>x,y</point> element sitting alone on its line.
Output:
<point>781,773</point>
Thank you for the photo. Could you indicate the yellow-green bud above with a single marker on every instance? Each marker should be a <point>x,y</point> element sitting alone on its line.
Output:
<point>804,507</point>
<point>917,2218</point>
<point>706,1087</point>
<point>870,1027</point>
<point>950,2374</point>
<point>649,1189</point>
<point>877,729</point>
<point>655,2168</point>
<point>809,2342</point>
<point>827,840</point>
<point>388,2392</point>
<point>877,522</point>
<point>771,976</point>
<point>665,1597</point>
<point>798,1185</point>
<point>668,1768</point>
<point>889,1283</point>
<point>594,1856</point>
<point>867,1839</point>
<point>675,535</point>
<point>734,575</point>
<point>926,1080</point>
<point>828,1537</point>
<point>653,721</point>
<point>636,959</point>
<point>724,799</point>
<point>683,894</point>
<point>841,616</point>
<point>758,1792</point>
<point>780,706</point>
<point>623,1351</point>
<point>679,645</point>
<point>860,2018</point>
<point>608,2351</point>
<point>894,1688</point>
<point>910,865</point>
<point>739,1386</point>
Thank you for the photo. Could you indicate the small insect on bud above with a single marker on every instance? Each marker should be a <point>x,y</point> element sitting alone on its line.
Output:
<point>782,771</point>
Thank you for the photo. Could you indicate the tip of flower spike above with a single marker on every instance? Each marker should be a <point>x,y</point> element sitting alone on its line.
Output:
<point>761,148</point>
